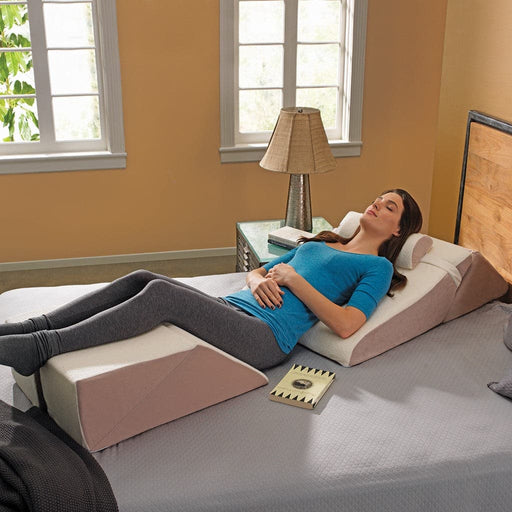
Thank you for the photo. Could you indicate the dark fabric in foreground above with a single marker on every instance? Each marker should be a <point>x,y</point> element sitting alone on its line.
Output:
<point>43,470</point>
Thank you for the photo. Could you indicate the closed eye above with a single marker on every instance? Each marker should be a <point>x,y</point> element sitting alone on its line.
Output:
<point>391,205</point>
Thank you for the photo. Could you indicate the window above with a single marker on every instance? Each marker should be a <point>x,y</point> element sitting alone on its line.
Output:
<point>60,93</point>
<point>281,53</point>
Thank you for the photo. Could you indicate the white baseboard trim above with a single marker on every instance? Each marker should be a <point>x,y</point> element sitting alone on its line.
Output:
<point>118,258</point>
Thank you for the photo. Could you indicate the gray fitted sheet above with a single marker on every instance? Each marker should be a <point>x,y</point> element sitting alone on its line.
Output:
<point>414,429</point>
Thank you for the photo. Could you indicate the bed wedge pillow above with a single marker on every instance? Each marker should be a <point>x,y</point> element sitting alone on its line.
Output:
<point>481,284</point>
<point>415,247</point>
<point>440,287</point>
<point>102,395</point>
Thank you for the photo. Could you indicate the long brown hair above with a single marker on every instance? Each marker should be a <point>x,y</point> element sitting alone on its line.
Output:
<point>410,222</point>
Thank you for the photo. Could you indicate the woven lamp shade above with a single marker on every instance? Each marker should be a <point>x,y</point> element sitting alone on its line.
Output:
<point>299,144</point>
<point>299,147</point>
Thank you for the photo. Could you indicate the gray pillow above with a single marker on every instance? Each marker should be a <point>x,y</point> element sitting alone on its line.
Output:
<point>508,334</point>
<point>504,386</point>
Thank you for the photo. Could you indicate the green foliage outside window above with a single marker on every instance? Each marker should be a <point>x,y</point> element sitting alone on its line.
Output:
<point>17,114</point>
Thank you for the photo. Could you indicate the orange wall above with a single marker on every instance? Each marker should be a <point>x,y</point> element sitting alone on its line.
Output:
<point>477,75</point>
<point>174,193</point>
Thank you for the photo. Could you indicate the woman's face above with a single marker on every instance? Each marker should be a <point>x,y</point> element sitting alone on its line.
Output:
<point>384,214</point>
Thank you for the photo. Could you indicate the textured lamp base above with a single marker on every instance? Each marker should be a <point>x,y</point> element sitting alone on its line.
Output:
<point>298,207</point>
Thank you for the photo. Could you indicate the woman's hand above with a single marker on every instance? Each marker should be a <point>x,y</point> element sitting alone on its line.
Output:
<point>282,274</point>
<point>265,290</point>
<point>342,320</point>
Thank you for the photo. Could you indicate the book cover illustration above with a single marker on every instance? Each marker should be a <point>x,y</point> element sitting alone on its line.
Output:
<point>302,386</point>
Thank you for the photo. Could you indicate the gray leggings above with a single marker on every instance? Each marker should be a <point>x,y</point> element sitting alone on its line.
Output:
<point>138,302</point>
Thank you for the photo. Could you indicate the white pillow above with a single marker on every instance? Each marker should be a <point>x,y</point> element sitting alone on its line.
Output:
<point>415,247</point>
<point>348,224</point>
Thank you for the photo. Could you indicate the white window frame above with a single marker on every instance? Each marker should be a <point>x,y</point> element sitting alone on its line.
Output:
<point>351,94</point>
<point>107,153</point>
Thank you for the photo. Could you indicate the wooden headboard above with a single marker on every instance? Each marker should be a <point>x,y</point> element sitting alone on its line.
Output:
<point>484,216</point>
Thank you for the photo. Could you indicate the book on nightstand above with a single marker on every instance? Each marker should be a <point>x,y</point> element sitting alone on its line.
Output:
<point>302,386</point>
<point>287,236</point>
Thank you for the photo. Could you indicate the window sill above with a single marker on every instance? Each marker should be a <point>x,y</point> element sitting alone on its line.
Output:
<point>58,162</point>
<point>255,152</point>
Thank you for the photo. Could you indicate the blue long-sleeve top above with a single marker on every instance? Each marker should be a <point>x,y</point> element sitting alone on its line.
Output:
<point>357,280</point>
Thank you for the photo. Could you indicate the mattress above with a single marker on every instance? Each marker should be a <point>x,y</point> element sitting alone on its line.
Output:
<point>415,428</point>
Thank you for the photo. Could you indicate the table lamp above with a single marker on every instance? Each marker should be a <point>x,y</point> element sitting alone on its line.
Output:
<point>299,147</point>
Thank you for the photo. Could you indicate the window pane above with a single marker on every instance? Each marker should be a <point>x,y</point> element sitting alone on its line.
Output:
<point>68,25</point>
<point>261,22</point>
<point>76,118</point>
<point>319,20</point>
<point>72,71</point>
<point>259,110</point>
<point>18,120</point>
<point>16,73</point>
<point>317,64</point>
<point>325,99</point>
<point>15,32</point>
<point>261,66</point>
<point>18,116</point>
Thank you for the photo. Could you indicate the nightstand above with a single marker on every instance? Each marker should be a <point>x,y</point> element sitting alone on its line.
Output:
<point>252,247</point>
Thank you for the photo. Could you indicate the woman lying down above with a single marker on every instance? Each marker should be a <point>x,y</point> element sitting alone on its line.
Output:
<point>329,278</point>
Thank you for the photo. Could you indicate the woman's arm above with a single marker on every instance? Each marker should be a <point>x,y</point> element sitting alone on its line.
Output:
<point>343,321</point>
<point>265,290</point>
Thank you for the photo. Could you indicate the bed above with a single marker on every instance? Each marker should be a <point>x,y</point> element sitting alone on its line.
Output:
<point>415,428</point>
